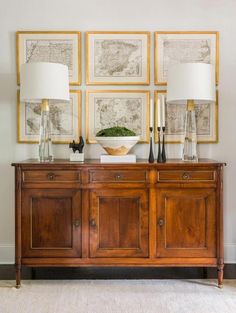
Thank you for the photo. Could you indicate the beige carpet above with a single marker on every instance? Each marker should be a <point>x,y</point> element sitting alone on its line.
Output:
<point>123,296</point>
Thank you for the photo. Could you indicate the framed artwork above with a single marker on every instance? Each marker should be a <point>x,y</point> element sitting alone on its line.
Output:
<point>117,58</point>
<point>125,108</point>
<point>206,118</point>
<point>65,118</point>
<point>50,46</point>
<point>184,47</point>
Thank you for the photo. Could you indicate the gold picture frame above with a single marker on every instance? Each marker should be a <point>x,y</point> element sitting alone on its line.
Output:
<point>206,115</point>
<point>102,47</point>
<point>203,46</point>
<point>135,118</point>
<point>43,46</point>
<point>64,130</point>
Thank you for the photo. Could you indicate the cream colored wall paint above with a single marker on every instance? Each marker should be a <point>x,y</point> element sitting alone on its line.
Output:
<point>115,15</point>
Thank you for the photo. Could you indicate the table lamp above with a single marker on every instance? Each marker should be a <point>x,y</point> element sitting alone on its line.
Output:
<point>187,83</point>
<point>41,82</point>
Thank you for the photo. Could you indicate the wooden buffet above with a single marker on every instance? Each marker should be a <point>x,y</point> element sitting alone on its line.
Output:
<point>93,214</point>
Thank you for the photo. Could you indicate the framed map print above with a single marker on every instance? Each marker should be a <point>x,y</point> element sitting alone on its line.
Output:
<point>206,118</point>
<point>117,58</point>
<point>184,47</point>
<point>50,46</point>
<point>124,108</point>
<point>65,118</point>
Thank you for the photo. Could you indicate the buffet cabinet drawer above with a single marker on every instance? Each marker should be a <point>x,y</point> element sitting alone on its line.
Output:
<point>176,176</point>
<point>42,176</point>
<point>99,176</point>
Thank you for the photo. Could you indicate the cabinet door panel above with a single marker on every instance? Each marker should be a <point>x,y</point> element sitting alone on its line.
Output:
<point>108,225</point>
<point>129,223</point>
<point>51,223</point>
<point>186,223</point>
<point>51,227</point>
<point>119,223</point>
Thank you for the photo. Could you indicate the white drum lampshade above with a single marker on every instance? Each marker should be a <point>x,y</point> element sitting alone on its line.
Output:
<point>41,82</point>
<point>191,81</point>
<point>186,83</point>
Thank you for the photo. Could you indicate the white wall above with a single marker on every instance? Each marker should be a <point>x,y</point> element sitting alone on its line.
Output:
<point>148,15</point>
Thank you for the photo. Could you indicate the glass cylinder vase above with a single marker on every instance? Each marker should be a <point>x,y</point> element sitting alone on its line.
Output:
<point>189,142</point>
<point>45,139</point>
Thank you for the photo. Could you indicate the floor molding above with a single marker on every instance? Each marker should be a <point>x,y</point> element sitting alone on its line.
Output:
<point>230,253</point>
<point>7,271</point>
<point>7,253</point>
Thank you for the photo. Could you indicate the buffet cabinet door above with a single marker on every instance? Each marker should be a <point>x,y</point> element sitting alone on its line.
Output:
<point>186,223</point>
<point>51,223</point>
<point>119,223</point>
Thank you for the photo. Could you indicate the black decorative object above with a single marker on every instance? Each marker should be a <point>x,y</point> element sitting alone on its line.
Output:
<point>163,154</point>
<point>77,146</point>
<point>159,155</point>
<point>151,155</point>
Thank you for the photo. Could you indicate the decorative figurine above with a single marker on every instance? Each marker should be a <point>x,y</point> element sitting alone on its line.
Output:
<point>77,156</point>
<point>77,146</point>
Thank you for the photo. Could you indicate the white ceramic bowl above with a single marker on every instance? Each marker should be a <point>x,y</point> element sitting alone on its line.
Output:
<point>117,145</point>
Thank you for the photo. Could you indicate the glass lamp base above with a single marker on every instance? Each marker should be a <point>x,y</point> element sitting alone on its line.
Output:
<point>189,152</point>
<point>45,140</point>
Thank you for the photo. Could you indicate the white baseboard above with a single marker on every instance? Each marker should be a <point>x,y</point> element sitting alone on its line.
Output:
<point>7,253</point>
<point>230,253</point>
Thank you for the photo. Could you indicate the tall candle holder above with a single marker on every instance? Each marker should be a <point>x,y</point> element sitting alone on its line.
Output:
<point>151,155</point>
<point>159,155</point>
<point>163,153</point>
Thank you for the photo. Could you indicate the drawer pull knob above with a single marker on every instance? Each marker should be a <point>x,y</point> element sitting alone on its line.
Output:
<point>186,176</point>
<point>77,223</point>
<point>92,223</point>
<point>160,222</point>
<point>51,176</point>
<point>117,176</point>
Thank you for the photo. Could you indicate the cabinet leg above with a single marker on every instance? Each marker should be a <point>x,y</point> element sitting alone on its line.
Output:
<point>220,270</point>
<point>18,276</point>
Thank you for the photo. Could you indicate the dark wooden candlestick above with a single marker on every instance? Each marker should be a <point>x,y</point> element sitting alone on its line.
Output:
<point>163,154</point>
<point>159,156</point>
<point>151,155</point>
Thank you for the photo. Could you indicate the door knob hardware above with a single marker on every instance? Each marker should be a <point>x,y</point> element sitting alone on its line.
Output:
<point>51,176</point>
<point>160,222</point>
<point>118,176</point>
<point>186,176</point>
<point>77,223</point>
<point>93,223</point>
